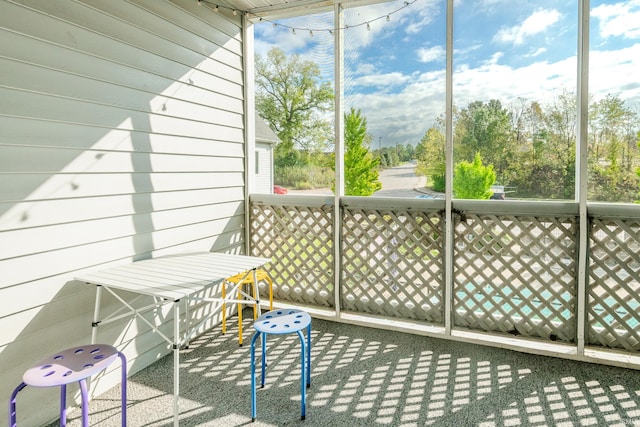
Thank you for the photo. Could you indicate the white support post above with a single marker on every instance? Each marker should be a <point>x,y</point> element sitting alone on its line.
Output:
<point>449,228</point>
<point>339,149</point>
<point>249,124</point>
<point>581,169</point>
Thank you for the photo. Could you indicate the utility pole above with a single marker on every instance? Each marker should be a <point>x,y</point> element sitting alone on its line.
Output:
<point>380,145</point>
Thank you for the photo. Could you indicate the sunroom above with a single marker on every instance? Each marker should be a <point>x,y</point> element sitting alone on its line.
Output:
<point>127,133</point>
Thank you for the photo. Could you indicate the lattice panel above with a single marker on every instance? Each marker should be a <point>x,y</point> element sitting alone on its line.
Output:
<point>392,263</point>
<point>613,306</point>
<point>299,241</point>
<point>516,275</point>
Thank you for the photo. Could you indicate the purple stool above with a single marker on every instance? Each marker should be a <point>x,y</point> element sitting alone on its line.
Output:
<point>72,365</point>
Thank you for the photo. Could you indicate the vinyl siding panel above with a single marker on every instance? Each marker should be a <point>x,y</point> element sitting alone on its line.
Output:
<point>122,137</point>
<point>264,177</point>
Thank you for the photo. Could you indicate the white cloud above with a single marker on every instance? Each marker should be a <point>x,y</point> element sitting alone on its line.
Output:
<point>405,115</point>
<point>431,54</point>
<point>616,72</point>
<point>536,23</point>
<point>619,19</point>
<point>317,47</point>
<point>495,58</point>
<point>383,81</point>
<point>537,52</point>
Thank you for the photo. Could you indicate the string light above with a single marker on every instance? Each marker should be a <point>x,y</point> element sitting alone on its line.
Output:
<point>386,16</point>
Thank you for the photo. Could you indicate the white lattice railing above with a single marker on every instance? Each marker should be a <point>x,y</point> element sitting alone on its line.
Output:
<point>392,261</point>
<point>515,272</point>
<point>614,278</point>
<point>514,265</point>
<point>299,240</point>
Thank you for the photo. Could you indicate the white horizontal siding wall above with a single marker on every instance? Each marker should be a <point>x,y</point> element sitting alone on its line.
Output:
<point>121,138</point>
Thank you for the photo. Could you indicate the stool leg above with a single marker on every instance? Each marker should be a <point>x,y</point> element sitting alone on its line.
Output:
<point>253,376</point>
<point>263,340</point>
<point>12,405</point>
<point>268,279</point>
<point>303,370</point>
<point>309,355</point>
<point>123,385</point>
<point>63,405</point>
<point>85,403</point>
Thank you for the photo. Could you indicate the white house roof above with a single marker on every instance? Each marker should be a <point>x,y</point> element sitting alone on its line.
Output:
<point>264,132</point>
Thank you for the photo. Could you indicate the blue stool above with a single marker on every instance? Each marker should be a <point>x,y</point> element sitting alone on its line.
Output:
<point>281,322</point>
<point>72,365</point>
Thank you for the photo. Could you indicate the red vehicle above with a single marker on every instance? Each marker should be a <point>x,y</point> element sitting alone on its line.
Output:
<point>279,190</point>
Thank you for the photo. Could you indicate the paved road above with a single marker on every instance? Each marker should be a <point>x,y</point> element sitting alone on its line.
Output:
<point>399,181</point>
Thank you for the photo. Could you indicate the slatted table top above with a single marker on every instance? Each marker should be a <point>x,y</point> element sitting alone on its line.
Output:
<point>175,276</point>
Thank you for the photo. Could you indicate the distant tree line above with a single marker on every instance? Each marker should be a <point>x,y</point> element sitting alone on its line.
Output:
<point>532,147</point>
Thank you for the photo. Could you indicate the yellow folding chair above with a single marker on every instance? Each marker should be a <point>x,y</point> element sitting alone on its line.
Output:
<point>244,279</point>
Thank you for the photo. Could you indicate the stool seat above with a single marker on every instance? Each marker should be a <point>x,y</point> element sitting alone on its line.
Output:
<point>70,366</point>
<point>280,322</point>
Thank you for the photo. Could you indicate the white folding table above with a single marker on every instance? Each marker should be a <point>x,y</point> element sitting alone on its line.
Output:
<point>168,280</point>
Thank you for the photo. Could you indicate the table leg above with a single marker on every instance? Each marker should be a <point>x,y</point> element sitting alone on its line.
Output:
<point>176,362</point>
<point>257,311</point>
<point>224,307</point>
<point>96,315</point>
<point>239,320</point>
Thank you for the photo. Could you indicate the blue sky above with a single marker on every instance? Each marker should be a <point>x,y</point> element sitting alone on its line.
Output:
<point>503,49</point>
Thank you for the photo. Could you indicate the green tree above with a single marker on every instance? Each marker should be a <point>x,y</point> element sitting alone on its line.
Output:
<point>431,158</point>
<point>473,180</point>
<point>292,98</point>
<point>613,153</point>
<point>486,128</point>
<point>360,166</point>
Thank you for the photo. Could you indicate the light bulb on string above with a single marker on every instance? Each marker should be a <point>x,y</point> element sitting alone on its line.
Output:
<point>387,16</point>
